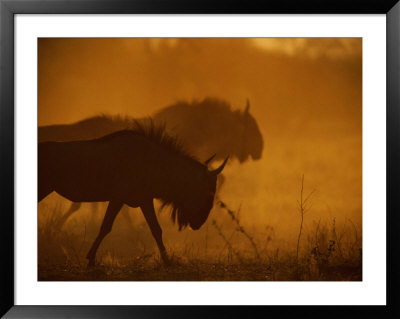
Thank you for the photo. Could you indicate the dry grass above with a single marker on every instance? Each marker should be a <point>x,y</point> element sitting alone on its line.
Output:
<point>223,250</point>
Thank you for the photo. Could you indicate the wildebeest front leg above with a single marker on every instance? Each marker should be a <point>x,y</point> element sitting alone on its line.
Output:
<point>150,216</point>
<point>112,212</point>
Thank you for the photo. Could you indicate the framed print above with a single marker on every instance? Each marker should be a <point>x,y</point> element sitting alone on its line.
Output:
<point>166,159</point>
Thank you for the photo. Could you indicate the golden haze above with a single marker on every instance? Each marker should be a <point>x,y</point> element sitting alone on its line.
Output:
<point>305,94</point>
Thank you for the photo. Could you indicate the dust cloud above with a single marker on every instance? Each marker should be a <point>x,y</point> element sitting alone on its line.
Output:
<point>305,94</point>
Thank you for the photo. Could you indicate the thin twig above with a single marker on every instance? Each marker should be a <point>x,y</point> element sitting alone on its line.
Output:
<point>336,237</point>
<point>301,207</point>
<point>226,240</point>
<point>316,233</point>
<point>240,228</point>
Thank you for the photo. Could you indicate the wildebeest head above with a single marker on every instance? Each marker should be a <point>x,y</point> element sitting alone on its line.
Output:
<point>251,141</point>
<point>211,126</point>
<point>198,201</point>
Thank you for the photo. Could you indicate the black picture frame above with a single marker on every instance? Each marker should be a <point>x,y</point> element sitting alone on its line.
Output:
<point>8,8</point>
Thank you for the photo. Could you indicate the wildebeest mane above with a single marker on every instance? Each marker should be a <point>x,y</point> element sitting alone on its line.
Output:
<point>154,132</point>
<point>176,201</point>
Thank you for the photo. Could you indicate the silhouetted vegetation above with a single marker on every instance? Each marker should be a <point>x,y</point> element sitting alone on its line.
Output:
<point>224,249</point>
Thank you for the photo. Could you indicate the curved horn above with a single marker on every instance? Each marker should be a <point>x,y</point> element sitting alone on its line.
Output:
<point>247,106</point>
<point>219,169</point>
<point>210,159</point>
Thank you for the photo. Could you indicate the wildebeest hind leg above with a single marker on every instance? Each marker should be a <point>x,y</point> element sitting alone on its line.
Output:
<point>151,219</point>
<point>72,209</point>
<point>112,212</point>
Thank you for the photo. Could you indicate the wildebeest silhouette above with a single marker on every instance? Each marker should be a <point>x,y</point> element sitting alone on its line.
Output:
<point>131,167</point>
<point>205,127</point>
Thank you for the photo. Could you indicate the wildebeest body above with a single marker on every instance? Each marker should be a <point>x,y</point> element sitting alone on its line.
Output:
<point>133,168</point>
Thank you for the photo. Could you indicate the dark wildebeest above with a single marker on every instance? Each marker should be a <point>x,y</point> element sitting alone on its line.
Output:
<point>131,167</point>
<point>205,127</point>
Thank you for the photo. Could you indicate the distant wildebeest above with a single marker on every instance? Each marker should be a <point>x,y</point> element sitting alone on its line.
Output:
<point>206,127</point>
<point>131,167</point>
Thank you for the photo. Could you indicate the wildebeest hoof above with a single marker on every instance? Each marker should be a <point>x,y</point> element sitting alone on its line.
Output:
<point>167,263</point>
<point>91,263</point>
<point>166,260</point>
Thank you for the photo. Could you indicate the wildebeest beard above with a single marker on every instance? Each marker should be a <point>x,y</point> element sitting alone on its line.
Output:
<point>184,212</point>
